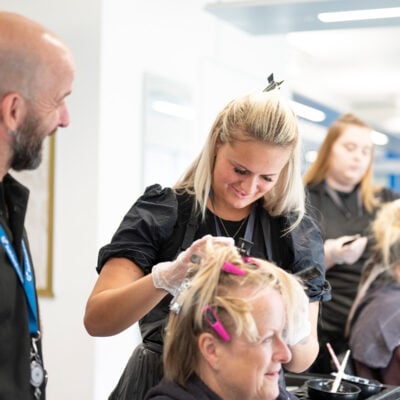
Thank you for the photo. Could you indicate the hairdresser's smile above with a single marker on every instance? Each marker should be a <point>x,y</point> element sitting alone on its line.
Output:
<point>241,194</point>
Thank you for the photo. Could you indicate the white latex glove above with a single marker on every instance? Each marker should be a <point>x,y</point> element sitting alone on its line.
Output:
<point>169,275</point>
<point>300,325</point>
<point>338,253</point>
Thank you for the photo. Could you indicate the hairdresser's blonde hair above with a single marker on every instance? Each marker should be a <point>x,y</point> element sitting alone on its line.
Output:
<point>264,117</point>
<point>212,286</point>
<point>320,167</point>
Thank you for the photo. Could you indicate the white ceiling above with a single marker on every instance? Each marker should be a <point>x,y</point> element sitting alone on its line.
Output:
<point>354,67</point>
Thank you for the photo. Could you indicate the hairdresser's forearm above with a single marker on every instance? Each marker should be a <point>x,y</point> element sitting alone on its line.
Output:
<point>121,297</point>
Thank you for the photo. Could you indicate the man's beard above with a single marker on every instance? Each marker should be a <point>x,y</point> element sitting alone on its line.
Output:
<point>28,145</point>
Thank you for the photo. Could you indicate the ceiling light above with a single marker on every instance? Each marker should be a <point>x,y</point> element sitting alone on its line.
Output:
<point>307,112</point>
<point>358,15</point>
<point>379,138</point>
<point>173,109</point>
<point>311,156</point>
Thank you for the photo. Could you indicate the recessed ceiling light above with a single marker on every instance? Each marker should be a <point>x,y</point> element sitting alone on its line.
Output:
<point>311,156</point>
<point>358,15</point>
<point>307,112</point>
<point>379,138</point>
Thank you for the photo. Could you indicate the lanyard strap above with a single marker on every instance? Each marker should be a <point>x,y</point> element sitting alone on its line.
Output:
<point>248,235</point>
<point>340,204</point>
<point>25,277</point>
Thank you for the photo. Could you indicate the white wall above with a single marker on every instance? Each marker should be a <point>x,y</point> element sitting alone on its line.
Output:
<point>99,157</point>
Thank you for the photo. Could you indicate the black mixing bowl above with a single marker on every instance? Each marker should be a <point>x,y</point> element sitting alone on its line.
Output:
<point>320,389</point>
<point>368,387</point>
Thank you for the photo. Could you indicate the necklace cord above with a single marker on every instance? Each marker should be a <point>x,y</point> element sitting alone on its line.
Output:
<point>226,230</point>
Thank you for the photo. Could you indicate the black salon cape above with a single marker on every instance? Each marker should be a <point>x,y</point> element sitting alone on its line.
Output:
<point>194,390</point>
<point>375,332</point>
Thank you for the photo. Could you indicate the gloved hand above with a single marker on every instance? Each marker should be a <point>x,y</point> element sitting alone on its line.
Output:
<point>169,275</point>
<point>336,252</point>
<point>300,324</point>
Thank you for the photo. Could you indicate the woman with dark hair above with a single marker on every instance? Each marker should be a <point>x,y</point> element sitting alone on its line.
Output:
<point>343,199</point>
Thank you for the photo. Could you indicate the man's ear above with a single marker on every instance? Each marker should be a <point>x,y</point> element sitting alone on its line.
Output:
<point>209,347</point>
<point>13,110</point>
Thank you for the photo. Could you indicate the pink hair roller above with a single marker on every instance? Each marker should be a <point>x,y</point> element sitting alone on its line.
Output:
<point>232,269</point>
<point>215,323</point>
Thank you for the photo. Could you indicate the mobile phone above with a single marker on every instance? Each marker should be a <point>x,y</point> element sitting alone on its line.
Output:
<point>354,238</point>
<point>308,274</point>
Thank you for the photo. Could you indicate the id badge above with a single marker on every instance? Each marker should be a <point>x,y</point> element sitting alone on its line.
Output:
<point>37,374</point>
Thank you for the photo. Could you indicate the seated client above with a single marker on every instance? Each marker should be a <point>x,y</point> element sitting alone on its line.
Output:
<point>229,329</point>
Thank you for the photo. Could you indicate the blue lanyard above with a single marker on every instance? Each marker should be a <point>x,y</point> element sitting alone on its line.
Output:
<point>26,278</point>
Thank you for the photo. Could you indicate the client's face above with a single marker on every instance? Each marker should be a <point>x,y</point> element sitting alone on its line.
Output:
<point>251,370</point>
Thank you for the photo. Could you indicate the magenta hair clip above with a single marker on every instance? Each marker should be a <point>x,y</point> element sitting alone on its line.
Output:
<point>215,323</point>
<point>232,269</point>
<point>250,260</point>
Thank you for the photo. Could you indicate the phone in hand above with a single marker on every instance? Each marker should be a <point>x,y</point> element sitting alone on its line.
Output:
<point>351,240</point>
<point>308,274</point>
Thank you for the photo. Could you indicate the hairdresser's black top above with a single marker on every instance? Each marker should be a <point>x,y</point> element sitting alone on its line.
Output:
<point>155,229</point>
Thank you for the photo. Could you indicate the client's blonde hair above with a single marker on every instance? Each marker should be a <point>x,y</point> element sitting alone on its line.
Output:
<point>209,285</point>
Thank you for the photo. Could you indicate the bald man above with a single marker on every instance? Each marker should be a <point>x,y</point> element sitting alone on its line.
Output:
<point>36,75</point>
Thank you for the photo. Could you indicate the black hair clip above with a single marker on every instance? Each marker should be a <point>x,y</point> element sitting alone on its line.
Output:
<point>272,84</point>
<point>244,247</point>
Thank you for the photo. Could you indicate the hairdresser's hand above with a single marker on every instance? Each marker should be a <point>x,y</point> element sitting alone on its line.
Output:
<point>336,252</point>
<point>169,275</point>
<point>301,326</point>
